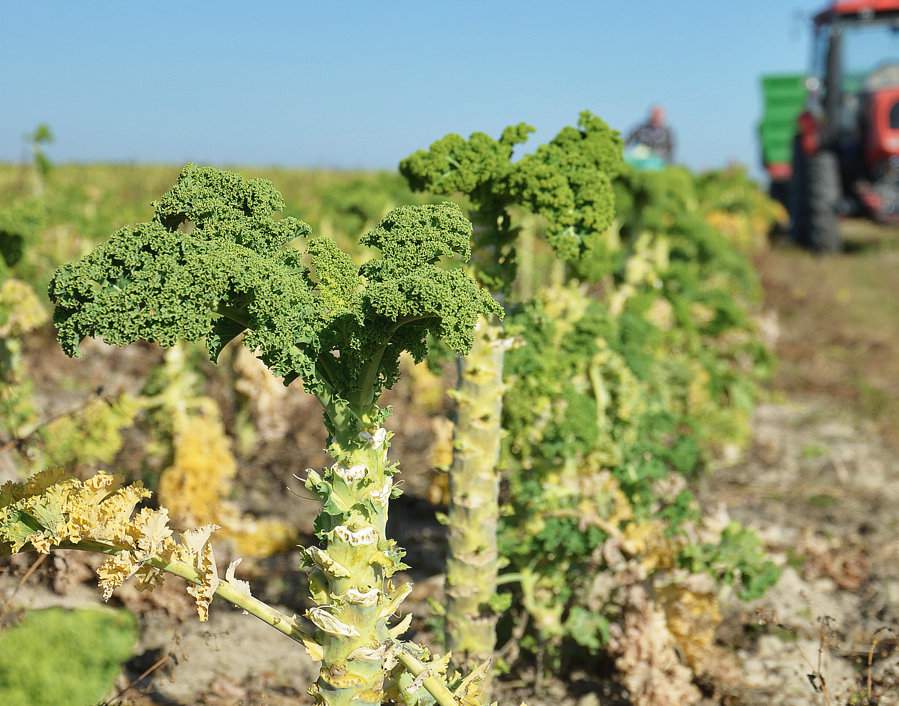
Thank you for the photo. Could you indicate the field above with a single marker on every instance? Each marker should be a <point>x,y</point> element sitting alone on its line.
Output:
<point>837,320</point>
<point>779,585</point>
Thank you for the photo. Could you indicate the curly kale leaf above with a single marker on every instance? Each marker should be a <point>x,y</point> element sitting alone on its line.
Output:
<point>215,262</point>
<point>199,271</point>
<point>223,205</point>
<point>408,296</point>
<point>567,181</point>
<point>454,165</point>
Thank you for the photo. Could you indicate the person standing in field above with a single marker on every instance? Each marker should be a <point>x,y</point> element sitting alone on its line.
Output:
<point>654,134</point>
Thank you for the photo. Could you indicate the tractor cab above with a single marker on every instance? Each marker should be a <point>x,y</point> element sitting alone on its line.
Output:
<point>846,153</point>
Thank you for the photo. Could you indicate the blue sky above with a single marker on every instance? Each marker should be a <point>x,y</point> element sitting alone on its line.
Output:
<point>361,84</point>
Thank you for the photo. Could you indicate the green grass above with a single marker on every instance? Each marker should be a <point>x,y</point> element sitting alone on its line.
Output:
<point>58,657</point>
<point>812,452</point>
<point>822,501</point>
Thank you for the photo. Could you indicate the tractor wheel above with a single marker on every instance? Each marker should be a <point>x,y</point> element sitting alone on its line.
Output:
<point>814,199</point>
<point>824,199</point>
<point>798,197</point>
<point>780,191</point>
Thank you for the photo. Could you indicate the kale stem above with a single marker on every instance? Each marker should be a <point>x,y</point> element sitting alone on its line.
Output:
<point>266,613</point>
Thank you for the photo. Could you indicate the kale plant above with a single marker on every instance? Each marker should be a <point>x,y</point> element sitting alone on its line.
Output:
<point>216,262</point>
<point>624,389</point>
<point>566,184</point>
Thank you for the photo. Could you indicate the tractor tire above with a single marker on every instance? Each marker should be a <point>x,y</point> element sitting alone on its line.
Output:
<point>780,192</point>
<point>798,199</point>
<point>824,200</point>
<point>814,200</point>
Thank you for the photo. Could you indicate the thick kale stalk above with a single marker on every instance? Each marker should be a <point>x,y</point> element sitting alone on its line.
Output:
<point>473,506</point>
<point>214,263</point>
<point>350,580</point>
<point>567,184</point>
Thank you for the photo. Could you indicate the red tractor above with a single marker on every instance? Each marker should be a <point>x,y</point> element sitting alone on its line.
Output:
<point>846,149</point>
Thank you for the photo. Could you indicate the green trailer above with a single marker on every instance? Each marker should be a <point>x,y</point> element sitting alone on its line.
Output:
<point>783,99</point>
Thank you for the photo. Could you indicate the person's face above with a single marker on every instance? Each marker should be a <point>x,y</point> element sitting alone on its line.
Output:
<point>657,117</point>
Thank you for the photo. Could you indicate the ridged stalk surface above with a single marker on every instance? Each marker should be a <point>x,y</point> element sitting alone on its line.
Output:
<point>350,578</point>
<point>472,562</point>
